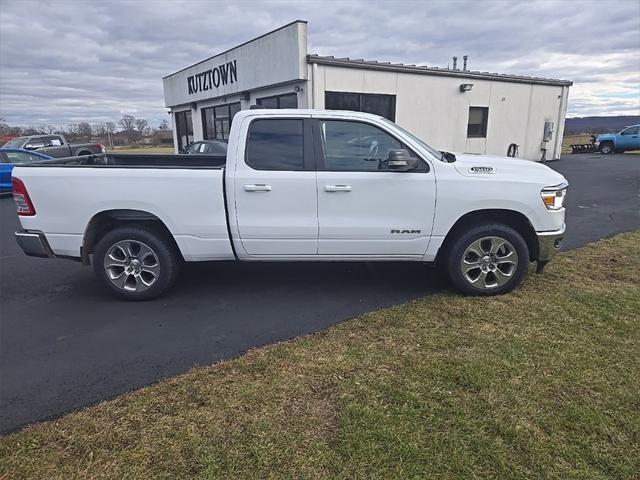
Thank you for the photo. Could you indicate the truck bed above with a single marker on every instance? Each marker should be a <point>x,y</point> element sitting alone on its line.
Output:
<point>135,160</point>
<point>184,192</point>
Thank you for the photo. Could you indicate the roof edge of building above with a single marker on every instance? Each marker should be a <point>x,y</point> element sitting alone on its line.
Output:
<point>237,46</point>
<point>401,67</point>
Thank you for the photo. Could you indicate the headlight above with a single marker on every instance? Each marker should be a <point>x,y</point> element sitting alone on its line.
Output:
<point>553,197</point>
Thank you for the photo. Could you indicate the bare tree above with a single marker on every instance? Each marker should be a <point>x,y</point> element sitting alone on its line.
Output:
<point>128,123</point>
<point>31,130</point>
<point>164,125</point>
<point>5,129</point>
<point>48,129</point>
<point>141,125</point>
<point>99,129</point>
<point>84,130</point>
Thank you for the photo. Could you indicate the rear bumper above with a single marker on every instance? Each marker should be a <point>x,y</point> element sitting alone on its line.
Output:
<point>549,244</point>
<point>34,243</point>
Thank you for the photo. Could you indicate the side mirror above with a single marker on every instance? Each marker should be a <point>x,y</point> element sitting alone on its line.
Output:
<point>401,161</point>
<point>30,147</point>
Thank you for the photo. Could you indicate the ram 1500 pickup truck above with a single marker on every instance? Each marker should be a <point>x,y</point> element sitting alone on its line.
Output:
<point>55,146</point>
<point>295,185</point>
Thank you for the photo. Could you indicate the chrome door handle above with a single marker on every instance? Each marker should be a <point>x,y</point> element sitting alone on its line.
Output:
<point>258,187</point>
<point>337,188</point>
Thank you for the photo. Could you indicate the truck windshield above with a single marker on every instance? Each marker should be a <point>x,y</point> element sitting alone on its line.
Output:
<point>429,149</point>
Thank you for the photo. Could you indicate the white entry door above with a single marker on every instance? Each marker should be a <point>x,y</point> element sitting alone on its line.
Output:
<point>365,209</point>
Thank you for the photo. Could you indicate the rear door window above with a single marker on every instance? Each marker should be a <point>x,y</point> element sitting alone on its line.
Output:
<point>217,148</point>
<point>22,157</point>
<point>194,147</point>
<point>34,143</point>
<point>276,144</point>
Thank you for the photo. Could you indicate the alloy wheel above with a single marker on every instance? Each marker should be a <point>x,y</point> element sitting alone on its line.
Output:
<point>489,262</point>
<point>131,265</point>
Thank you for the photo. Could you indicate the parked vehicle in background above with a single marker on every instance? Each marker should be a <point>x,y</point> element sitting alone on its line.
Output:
<point>627,139</point>
<point>10,157</point>
<point>212,147</point>
<point>55,146</point>
<point>296,185</point>
<point>6,138</point>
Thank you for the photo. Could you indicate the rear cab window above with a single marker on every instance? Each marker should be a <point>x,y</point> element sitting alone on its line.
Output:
<point>276,144</point>
<point>53,141</point>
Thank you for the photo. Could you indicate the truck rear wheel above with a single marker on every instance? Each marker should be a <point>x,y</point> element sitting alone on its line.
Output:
<point>136,263</point>
<point>487,260</point>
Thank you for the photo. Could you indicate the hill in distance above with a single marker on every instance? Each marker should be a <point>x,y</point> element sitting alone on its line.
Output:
<point>578,125</point>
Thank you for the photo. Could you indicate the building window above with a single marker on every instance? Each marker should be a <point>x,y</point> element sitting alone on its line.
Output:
<point>276,144</point>
<point>290,100</point>
<point>477,127</point>
<point>184,129</point>
<point>383,105</point>
<point>216,121</point>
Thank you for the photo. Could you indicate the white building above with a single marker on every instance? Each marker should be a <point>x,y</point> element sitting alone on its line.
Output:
<point>453,109</point>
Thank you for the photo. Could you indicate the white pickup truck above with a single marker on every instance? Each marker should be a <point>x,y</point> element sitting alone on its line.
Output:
<point>296,185</point>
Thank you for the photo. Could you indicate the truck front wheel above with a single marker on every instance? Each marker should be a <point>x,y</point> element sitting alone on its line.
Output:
<point>136,263</point>
<point>606,148</point>
<point>487,260</point>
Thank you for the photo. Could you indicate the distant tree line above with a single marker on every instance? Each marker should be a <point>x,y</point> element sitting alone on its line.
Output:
<point>129,128</point>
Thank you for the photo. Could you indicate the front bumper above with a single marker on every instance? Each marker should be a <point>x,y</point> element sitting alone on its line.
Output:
<point>549,244</point>
<point>33,243</point>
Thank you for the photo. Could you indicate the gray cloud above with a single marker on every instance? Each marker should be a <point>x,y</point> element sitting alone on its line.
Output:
<point>70,61</point>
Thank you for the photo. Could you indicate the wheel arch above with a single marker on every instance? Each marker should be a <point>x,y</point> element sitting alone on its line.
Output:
<point>516,220</point>
<point>107,220</point>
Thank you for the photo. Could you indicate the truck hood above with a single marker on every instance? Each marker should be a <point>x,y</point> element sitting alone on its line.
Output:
<point>605,136</point>
<point>501,168</point>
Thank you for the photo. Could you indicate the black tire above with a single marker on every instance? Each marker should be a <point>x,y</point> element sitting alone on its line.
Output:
<point>163,263</point>
<point>497,269</point>
<point>606,148</point>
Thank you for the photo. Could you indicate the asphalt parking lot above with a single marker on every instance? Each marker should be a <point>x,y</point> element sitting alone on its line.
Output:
<point>66,343</point>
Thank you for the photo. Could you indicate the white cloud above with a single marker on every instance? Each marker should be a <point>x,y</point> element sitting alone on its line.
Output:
<point>72,61</point>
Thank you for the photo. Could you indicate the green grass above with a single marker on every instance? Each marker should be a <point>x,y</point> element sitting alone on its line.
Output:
<point>573,139</point>
<point>542,383</point>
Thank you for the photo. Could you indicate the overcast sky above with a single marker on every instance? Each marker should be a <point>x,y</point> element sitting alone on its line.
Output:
<point>69,61</point>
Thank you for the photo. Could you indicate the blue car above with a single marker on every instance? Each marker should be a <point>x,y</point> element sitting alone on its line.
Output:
<point>9,157</point>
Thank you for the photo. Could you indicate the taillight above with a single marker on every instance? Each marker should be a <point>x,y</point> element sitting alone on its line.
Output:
<point>24,207</point>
